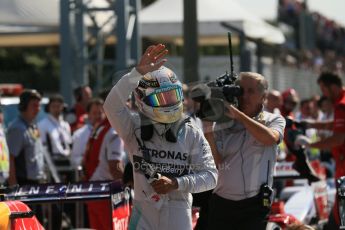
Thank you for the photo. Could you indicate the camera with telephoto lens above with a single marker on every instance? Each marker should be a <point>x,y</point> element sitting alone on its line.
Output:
<point>212,96</point>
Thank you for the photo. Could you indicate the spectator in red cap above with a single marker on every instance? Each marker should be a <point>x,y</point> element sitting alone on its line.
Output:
<point>78,114</point>
<point>290,101</point>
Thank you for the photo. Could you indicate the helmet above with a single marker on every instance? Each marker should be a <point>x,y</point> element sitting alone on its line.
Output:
<point>159,96</point>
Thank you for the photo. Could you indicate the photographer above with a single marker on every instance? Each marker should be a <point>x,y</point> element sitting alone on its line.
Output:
<point>171,158</point>
<point>245,153</point>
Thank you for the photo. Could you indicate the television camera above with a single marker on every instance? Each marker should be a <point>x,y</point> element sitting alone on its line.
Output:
<point>212,95</point>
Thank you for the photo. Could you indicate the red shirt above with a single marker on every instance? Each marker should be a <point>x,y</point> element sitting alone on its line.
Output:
<point>80,114</point>
<point>93,148</point>
<point>339,127</point>
<point>285,113</point>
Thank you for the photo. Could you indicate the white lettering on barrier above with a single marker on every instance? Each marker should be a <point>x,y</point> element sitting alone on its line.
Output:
<point>50,189</point>
<point>34,190</point>
<point>62,188</point>
<point>120,224</point>
<point>56,189</point>
<point>285,169</point>
<point>116,198</point>
<point>90,187</point>
<point>76,188</point>
<point>104,186</point>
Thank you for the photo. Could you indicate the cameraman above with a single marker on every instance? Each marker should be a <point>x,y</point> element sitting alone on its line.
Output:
<point>245,154</point>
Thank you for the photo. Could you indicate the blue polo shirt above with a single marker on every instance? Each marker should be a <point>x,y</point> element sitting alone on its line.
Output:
<point>25,145</point>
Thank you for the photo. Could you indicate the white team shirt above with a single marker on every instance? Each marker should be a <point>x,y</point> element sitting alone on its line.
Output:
<point>59,133</point>
<point>112,148</point>
<point>80,138</point>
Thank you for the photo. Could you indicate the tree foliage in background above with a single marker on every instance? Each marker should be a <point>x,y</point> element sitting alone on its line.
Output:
<point>39,67</point>
<point>36,67</point>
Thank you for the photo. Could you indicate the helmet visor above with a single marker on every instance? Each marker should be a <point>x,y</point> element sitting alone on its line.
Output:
<point>164,97</point>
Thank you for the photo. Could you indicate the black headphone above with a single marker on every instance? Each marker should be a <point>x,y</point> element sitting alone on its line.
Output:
<point>26,97</point>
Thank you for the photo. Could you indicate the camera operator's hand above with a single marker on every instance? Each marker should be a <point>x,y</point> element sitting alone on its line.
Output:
<point>164,185</point>
<point>152,59</point>
<point>266,135</point>
<point>231,111</point>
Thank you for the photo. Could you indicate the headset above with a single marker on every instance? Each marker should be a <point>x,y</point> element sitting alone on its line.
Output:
<point>170,135</point>
<point>26,97</point>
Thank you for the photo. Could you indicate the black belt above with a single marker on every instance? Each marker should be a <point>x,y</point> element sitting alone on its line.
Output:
<point>245,202</point>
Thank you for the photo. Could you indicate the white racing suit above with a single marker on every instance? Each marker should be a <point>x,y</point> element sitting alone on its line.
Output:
<point>189,160</point>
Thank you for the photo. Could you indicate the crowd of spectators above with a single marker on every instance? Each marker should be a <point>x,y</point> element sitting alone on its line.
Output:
<point>314,109</point>
<point>318,47</point>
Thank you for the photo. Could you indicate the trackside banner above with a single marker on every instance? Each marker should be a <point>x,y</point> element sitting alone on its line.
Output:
<point>121,209</point>
<point>49,193</point>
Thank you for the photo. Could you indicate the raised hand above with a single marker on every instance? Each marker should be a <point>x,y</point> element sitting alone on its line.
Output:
<point>152,59</point>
